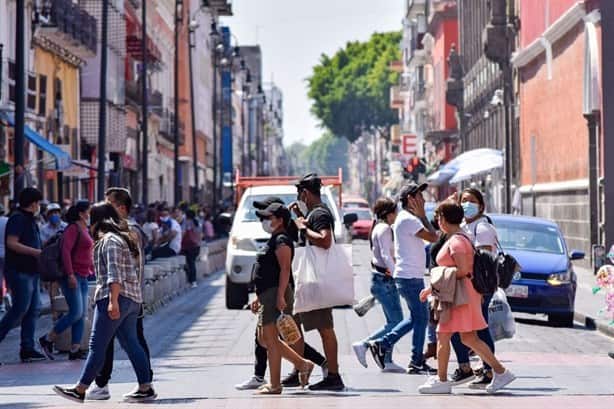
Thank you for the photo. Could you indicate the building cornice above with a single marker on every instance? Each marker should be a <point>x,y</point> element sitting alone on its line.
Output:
<point>554,33</point>
<point>61,52</point>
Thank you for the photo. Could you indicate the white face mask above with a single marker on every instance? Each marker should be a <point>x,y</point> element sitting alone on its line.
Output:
<point>266,226</point>
<point>164,219</point>
<point>302,206</point>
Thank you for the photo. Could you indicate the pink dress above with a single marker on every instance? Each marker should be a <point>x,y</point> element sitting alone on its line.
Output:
<point>468,317</point>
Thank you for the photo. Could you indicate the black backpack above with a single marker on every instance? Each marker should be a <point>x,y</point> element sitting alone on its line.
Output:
<point>485,277</point>
<point>50,260</point>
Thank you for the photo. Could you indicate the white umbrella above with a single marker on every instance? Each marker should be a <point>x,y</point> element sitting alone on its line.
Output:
<point>479,162</point>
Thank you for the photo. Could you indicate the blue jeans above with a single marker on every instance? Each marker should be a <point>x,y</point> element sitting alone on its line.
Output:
<point>103,330</point>
<point>25,290</point>
<point>409,289</point>
<point>385,292</point>
<point>76,298</point>
<point>461,350</point>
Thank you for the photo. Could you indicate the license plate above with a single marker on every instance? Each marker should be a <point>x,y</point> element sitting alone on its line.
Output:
<point>517,291</point>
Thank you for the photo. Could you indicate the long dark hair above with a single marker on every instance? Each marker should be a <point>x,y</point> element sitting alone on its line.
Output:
<point>105,219</point>
<point>191,215</point>
<point>73,214</point>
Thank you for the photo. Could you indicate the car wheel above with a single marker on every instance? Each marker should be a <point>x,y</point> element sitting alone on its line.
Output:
<point>564,319</point>
<point>236,295</point>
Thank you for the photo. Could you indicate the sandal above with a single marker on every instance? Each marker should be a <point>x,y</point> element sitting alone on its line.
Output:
<point>268,390</point>
<point>304,374</point>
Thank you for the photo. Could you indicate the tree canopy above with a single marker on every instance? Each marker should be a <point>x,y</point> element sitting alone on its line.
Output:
<point>351,90</point>
<point>324,156</point>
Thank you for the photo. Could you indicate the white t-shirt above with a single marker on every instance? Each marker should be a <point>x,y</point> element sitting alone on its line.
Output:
<point>149,229</point>
<point>175,243</point>
<point>482,233</point>
<point>383,246</point>
<point>408,248</point>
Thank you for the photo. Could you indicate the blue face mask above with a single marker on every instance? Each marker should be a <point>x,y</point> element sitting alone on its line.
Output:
<point>471,210</point>
<point>54,219</point>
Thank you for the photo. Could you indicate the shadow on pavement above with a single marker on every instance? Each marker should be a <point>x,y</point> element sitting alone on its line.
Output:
<point>543,323</point>
<point>23,405</point>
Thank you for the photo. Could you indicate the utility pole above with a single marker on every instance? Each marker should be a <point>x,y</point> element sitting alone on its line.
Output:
<point>193,118</point>
<point>20,99</point>
<point>144,114</point>
<point>178,18</point>
<point>499,37</point>
<point>102,117</point>
<point>215,147</point>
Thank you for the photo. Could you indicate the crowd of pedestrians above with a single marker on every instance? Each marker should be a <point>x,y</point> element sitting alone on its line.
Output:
<point>107,244</point>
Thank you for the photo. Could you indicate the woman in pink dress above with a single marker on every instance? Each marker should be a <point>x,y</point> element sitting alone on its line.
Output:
<point>466,319</point>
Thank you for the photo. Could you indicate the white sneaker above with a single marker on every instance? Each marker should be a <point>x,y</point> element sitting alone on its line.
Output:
<point>434,386</point>
<point>360,349</point>
<point>391,367</point>
<point>500,381</point>
<point>96,393</point>
<point>252,383</point>
<point>194,284</point>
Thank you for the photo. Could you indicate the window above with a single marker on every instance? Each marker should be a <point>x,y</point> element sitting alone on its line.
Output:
<point>12,76</point>
<point>31,95</point>
<point>42,95</point>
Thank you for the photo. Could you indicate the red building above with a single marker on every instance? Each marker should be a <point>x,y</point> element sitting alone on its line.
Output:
<point>559,76</point>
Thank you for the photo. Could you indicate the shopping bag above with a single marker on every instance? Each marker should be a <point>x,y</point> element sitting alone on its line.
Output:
<point>500,319</point>
<point>323,278</point>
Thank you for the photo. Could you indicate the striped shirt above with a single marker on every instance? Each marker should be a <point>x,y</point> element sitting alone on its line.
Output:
<point>114,263</point>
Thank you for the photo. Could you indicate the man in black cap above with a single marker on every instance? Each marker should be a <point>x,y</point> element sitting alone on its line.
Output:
<point>411,228</point>
<point>317,226</point>
<point>301,347</point>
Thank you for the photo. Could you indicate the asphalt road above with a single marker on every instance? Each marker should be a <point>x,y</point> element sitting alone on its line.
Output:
<point>201,350</point>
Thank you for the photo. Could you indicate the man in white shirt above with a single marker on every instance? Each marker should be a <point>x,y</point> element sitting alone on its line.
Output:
<point>54,224</point>
<point>170,237</point>
<point>411,229</point>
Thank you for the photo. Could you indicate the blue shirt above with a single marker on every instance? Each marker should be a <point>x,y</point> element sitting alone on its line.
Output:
<point>23,225</point>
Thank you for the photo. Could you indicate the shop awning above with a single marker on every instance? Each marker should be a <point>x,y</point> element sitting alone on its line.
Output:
<point>62,159</point>
<point>467,165</point>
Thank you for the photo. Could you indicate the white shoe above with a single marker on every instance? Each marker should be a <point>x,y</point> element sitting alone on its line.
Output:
<point>96,393</point>
<point>194,284</point>
<point>252,383</point>
<point>391,367</point>
<point>360,349</point>
<point>500,381</point>
<point>434,386</point>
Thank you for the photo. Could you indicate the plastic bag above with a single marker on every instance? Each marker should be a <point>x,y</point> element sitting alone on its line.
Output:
<point>364,305</point>
<point>323,278</point>
<point>500,319</point>
<point>287,328</point>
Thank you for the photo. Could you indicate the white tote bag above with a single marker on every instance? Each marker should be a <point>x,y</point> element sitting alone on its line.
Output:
<point>322,278</point>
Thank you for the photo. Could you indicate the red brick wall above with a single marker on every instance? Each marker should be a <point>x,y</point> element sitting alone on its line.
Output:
<point>446,35</point>
<point>551,110</point>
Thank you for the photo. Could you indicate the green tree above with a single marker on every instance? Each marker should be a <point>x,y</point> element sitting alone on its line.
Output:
<point>351,90</point>
<point>326,155</point>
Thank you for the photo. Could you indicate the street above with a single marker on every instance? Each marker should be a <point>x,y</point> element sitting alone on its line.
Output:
<point>201,350</point>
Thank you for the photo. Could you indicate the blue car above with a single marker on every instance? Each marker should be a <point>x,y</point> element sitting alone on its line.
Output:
<point>547,282</point>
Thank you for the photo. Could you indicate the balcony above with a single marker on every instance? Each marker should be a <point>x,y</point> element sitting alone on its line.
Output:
<point>415,7</point>
<point>396,97</point>
<point>221,7</point>
<point>66,25</point>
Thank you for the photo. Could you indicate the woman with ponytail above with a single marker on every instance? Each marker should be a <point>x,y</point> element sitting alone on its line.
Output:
<point>383,287</point>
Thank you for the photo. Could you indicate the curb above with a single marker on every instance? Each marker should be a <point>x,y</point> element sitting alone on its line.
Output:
<point>594,324</point>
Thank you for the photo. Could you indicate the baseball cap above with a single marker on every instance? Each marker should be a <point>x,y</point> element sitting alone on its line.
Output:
<point>310,181</point>
<point>411,189</point>
<point>53,206</point>
<point>275,209</point>
<point>263,204</point>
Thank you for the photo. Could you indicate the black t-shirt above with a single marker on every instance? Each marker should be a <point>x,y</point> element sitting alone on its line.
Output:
<point>22,225</point>
<point>320,218</point>
<point>267,269</point>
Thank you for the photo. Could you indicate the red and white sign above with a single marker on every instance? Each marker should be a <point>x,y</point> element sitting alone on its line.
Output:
<point>409,144</point>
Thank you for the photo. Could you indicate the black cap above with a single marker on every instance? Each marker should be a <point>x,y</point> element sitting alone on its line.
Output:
<point>263,204</point>
<point>411,189</point>
<point>311,182</point>
<point>275,209</point>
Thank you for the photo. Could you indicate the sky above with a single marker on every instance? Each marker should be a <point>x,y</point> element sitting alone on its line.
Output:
<point>294,33</point>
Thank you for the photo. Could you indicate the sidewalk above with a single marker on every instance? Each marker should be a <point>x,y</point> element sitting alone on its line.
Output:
<point>588,305</point>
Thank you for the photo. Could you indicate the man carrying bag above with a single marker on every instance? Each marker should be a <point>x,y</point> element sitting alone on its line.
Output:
<point>320,269</point>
